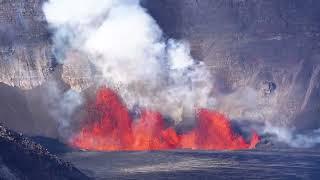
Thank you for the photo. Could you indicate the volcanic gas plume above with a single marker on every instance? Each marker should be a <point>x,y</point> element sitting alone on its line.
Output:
<point>130,53</point>
<point>111,128</point>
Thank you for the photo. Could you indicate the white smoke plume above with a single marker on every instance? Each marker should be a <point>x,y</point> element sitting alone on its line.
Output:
<point>128,48</point>
<point>292,138</point>
<point>62,106</point>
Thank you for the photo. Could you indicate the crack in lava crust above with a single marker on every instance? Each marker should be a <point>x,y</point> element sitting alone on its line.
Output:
<point>113,129</point>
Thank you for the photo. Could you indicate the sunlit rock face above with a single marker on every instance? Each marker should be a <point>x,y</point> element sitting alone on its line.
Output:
<point>26,53</point>
<point>77,71</point>
<point>266,52</point>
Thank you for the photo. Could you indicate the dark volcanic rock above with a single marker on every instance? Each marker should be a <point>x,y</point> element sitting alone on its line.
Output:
<point>14,109</point>
<point>25,111</point>
<point>54,146</point>
<point>21,158</point>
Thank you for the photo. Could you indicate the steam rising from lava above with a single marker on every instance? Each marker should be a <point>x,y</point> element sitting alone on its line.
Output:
<point>127,46</point>
<point>148,71</point>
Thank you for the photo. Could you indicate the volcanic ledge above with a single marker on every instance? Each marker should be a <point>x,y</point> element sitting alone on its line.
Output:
<point>21,158</point>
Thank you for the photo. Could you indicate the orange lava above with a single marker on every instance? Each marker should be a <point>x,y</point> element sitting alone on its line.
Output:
<point>114,130</point>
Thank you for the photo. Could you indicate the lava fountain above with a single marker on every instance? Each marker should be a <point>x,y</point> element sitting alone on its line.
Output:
<point>111,128</point>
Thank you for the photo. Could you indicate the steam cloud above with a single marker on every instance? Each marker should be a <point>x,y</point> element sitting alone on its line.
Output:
<point>127,46</point>
<point>294,139</point>
<point>62,106</point>
<point>130,52</point>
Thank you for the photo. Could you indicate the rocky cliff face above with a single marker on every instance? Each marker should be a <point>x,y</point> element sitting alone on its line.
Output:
<point>270,46</point>
<point>25,53</point>
<point>268,49</point>
<point>21,158</point>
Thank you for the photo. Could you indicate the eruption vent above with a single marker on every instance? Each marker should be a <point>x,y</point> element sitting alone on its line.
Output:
<point>112,129</point>
<point>130,53</point>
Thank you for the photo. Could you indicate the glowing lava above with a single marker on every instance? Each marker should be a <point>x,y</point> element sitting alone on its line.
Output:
<point>113,129</point>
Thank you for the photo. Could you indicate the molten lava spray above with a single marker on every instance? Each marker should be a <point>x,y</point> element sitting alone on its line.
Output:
<point>111,128</point>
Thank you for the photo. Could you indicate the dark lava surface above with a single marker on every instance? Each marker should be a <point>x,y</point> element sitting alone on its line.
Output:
<point>259,164</point>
